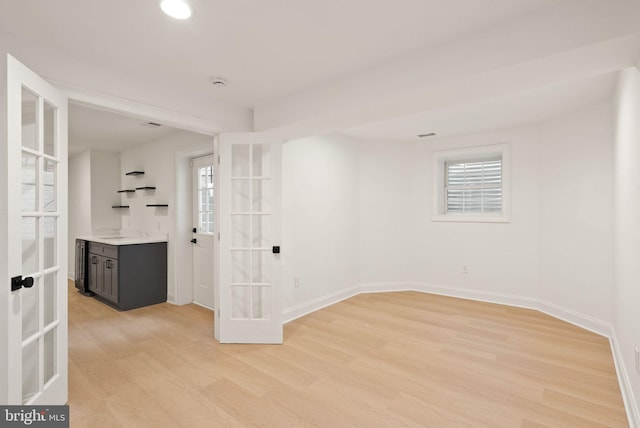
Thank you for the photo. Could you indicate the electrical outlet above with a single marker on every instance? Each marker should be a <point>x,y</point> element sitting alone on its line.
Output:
<point>465,268</point>
<point>637,360</point>
<point>296,282</point>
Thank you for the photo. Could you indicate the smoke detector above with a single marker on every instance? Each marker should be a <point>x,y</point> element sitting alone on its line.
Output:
<point>218,82</point>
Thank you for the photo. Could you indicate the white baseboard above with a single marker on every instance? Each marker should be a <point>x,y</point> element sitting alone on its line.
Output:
<point>633,414</point>
<point>576,318</point>
<point>295,312</point>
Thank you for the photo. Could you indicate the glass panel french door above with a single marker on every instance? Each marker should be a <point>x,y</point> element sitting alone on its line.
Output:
<point>250,308</point>
<point>36,254</point>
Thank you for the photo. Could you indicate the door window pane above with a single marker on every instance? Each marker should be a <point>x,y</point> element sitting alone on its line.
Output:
<point>29,120</point>
<point>30,309</point>
<point>240,194</point>
<point>261,302</point>
<point>49,124</point>
<point>49,186</point>
<point>50,242</point>
<point>261,267</point>
<point>50,354</point>
<point>261,157</point>
<point>30,371</point>
<point>240,301</point>
<point>261,196</point>
<point>240,160</point>
<point>261,231</point>
<point>240,229</point>
<point>29,193</point>
<point>240,267</point>
<point>29,245</point>
<point>50,298</point>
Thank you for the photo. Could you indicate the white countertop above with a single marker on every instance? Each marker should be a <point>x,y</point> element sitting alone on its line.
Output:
<point>124,240</point>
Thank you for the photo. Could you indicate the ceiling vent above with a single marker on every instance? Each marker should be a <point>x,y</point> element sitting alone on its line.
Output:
<point>152,124</point>
<point>218,82</point>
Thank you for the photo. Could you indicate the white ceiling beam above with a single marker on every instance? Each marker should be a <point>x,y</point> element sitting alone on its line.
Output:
<point>572,40</point>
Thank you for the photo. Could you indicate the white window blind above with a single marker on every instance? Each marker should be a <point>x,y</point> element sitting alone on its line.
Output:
<point>473,186</point>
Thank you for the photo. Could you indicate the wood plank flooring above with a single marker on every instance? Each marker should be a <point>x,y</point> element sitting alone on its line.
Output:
<point>377,360</point>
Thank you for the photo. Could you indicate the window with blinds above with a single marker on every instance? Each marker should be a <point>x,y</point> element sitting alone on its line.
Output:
<point>473,187</point>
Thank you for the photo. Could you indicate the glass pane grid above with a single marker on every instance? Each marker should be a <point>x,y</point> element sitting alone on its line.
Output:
<point>205,200</point>
<point>474,186</point>
<point>251,232</point>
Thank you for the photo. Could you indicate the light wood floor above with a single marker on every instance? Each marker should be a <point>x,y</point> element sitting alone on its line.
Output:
<point>377,360</point>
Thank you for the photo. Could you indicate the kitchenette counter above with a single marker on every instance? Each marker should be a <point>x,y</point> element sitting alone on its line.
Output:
<point>124,240</point>
<point>126,271</point>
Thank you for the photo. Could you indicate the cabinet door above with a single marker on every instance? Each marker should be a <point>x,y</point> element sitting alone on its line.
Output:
<point>110,284</point>
<point>95,274</point>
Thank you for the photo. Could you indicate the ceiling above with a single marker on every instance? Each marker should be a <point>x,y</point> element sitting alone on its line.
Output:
<point>266,49</point>
<point>377,70</point>
<point>91,128</point>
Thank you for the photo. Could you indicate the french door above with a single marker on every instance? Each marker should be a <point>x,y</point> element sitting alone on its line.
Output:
<point>33,239</point>
<point>250,309</point>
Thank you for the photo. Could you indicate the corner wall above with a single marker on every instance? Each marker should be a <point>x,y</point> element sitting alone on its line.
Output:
<point>626,235</point>
<point>576,215</point>
<point>320,222</point>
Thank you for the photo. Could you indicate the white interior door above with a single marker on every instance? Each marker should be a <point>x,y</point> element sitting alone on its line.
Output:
<point>33,328</point>
<point>203,235</point>
<point>250,309</point>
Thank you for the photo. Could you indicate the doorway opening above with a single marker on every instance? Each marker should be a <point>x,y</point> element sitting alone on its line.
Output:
<point>120,137</point>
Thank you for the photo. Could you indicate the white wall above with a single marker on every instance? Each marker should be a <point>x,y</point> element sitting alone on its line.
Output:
<point>320,219</point>
<point>105,183</point>
<point>502,258</point>
<point>79,203</point>
<point>626,290</point>
<point>93,185</point>
<point>158,161</point>
<point>576,212</point>
<point>385,247</point>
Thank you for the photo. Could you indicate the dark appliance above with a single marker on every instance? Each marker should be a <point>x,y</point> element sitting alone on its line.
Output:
<point>82,280</point>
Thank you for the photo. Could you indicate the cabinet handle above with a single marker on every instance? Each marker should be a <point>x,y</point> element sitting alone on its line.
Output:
<point>108,264</point>
<point>94,260</point>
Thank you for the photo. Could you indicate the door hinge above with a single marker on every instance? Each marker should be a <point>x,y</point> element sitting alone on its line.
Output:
<point>218,159</point>
<point>218,236</point>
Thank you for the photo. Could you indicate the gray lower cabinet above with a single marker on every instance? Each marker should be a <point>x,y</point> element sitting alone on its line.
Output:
<point>128,276</point>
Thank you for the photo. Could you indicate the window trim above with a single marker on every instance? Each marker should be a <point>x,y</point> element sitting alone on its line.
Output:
<point>469,154</point>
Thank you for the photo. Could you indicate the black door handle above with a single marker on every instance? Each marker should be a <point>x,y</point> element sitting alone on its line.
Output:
<point>17,282</point>
<point>194,240</point>
<point>275,249</point>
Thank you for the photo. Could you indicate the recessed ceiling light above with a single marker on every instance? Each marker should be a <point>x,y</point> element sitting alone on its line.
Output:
<point>430,134</point>
<point>177,9</point>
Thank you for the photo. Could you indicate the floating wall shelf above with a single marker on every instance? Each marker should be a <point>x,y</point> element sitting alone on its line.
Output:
<point>120,206</point>
<point>146,188</point>
<point>126,191</point>
<point>157,205</point>
<point>135,173</point>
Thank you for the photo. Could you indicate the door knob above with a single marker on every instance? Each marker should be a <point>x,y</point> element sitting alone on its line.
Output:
<point>194,240</point>
<point>17,282</point>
